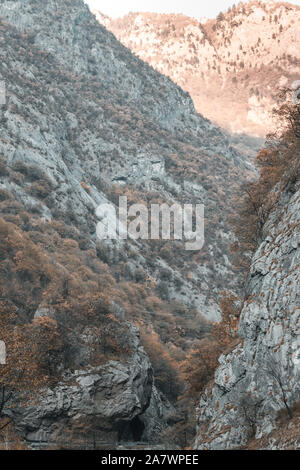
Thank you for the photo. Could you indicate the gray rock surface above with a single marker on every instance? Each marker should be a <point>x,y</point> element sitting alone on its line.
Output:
<point>270,341</point>
<point>119,125</point>
<point>96,401</point>
<point>154,418</point>
<point>82,115</point>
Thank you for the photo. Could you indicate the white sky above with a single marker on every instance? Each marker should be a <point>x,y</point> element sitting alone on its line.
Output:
<point>196,8</point>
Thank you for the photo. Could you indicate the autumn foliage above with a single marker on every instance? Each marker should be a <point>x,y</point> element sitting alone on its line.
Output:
<point>201,363</point>
<point>30,349</point>
<point>278,164</point>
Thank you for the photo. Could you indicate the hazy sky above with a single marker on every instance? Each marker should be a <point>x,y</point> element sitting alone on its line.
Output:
<point>196,8</point>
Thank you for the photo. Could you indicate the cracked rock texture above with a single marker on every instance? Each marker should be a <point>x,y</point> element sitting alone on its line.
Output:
<point>98,401</point>
<point>270,334</point>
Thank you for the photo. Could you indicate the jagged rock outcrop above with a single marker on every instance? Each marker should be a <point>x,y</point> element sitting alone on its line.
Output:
<point>155,418</point>
<point>96,403</point>
<point>253,381</point>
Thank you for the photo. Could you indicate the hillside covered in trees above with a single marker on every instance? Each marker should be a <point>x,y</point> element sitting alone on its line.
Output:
<point>231,65</point>
<point>84,122</point>
<point>252,401</point>
<point>114,341</point>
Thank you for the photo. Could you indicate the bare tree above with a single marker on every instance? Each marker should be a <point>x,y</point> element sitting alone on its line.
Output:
<point>248,407</point>
<point>272,368</point>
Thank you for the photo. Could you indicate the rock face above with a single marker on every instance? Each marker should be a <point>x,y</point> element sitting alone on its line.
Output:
<point>122,124</point>
<point>100,403</point>
<point>265,367</point>
<point>230,65</point>
<point>155,417</point>
<point>83,120</point>
<point>82,117</point>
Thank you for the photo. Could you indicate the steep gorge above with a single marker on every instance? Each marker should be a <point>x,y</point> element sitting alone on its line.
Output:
<point>246,395</point>
<point>253,400</point>
<point>85,122</point>
<point>110,322</point>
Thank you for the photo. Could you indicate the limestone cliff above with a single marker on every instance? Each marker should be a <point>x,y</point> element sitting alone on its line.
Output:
<point>260,376</point>
<point>101,119</point>
<point>84,121</point>
<point>99,405</point>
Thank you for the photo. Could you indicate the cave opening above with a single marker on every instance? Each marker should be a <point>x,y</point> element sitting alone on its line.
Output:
<point>132,431</point>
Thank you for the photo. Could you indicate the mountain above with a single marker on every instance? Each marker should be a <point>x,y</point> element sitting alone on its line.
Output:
<point>253,399</point>
<point>84,122</point>
<point>103,336</point>
<point>245,405</point>
<point>232,66</point>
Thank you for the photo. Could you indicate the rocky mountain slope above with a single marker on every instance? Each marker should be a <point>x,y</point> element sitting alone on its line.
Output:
<point>190,167</point>
<point>99,404</point>
<point>84,122</point>
<point>256,385</point>
<point>231,66</point>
